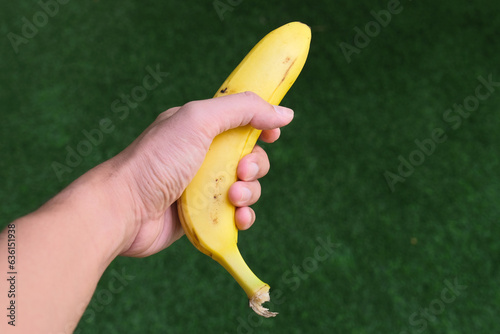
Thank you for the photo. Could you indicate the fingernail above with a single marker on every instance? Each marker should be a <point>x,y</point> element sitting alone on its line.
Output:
<point>252,213</point>
<point>253,169</point>
<point>245,195</point>
<point>283,111</point>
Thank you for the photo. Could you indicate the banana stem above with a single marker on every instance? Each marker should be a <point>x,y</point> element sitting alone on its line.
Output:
<point>256,290</point>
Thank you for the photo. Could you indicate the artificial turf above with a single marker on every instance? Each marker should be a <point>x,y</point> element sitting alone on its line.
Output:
<point>417,254</point>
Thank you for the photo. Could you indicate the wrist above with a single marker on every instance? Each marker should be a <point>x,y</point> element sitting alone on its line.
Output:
<point>100,206</point>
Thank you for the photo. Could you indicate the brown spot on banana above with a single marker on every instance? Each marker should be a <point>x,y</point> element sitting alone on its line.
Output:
<point>288,70</point>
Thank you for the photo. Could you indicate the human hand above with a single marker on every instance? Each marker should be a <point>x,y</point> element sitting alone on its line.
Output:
<point>156,168</point>
<point>126,205</point>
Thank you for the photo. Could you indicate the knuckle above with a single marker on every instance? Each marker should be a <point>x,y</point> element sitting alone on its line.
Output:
<point>251,95</point>
<point>254,98</point>
<point>166,114</point>
<point>191,107</point>
<point>193,114</point>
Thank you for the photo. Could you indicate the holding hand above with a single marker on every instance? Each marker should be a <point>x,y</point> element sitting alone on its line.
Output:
<point>127,206</point>
<point>163,160</point>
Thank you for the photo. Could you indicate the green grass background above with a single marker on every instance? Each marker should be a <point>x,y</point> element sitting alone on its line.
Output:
<point>352,122</point>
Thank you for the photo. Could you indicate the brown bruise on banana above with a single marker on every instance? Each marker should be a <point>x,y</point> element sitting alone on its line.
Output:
<point>289,67</point>
<point>226,91</point>
<point>214,217</point>
<point>216,200</point>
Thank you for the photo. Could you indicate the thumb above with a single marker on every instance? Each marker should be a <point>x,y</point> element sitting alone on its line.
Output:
<point>219,114</point>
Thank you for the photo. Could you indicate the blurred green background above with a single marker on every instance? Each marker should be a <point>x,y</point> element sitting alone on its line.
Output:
<point>414,221</point>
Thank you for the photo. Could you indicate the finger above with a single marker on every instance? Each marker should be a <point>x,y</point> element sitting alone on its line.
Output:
<point>243,193</point>
<point>270,136</point>
<point>244,217</point>
<point>253,165</point>
<point>217,115</point>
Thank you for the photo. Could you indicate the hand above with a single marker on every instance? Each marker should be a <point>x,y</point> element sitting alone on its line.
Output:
<point>156,168</point>
<point>126,206</point>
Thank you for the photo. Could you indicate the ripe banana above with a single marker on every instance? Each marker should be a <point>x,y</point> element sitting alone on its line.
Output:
<point>206,214</point>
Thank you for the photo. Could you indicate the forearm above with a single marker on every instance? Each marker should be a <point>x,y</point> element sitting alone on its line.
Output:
<point>61,251</point>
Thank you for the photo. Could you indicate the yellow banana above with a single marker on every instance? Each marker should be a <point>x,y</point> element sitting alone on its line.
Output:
<point>206,214</point>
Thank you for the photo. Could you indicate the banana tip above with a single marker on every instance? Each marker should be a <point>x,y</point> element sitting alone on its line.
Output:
<point>258,299</point>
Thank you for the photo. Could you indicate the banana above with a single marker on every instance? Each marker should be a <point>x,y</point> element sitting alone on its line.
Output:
<point>206,214</point>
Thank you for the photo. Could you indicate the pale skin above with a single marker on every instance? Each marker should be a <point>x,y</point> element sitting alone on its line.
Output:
<point>126,206</point>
